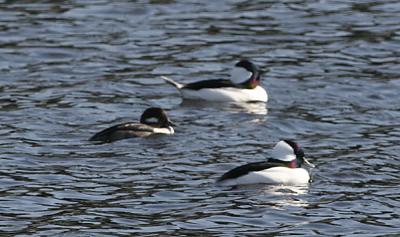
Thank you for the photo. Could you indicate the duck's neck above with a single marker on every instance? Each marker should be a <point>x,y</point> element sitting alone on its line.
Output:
<point>290,164</point>
<point>253,81</point>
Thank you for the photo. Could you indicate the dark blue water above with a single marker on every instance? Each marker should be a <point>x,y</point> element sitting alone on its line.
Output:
<point>71,68</point>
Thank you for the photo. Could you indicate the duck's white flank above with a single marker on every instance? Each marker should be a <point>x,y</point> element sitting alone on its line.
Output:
<point>275,175</point>
<point>226,94</point>
<point>169,130</point>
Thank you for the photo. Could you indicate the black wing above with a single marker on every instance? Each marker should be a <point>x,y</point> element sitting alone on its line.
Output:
<point>122,131</point>
<point>251,167</point>
<point>209,84</point>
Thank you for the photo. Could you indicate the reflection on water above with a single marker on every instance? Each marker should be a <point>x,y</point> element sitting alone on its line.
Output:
<point>288,196</point>
<point>251,108</point>
<point>233,107</point>
<point>277,196</point>
<point>68,67</point>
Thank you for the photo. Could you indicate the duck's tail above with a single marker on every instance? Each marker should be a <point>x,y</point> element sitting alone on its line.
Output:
<point>172,82</point>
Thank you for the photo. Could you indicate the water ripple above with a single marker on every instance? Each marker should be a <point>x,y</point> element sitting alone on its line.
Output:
<point>70,69</point>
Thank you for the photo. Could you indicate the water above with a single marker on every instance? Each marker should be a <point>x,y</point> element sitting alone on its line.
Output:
<point>72,68</point>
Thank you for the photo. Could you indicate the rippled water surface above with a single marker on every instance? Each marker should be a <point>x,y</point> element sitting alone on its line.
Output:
<point>71,68</point>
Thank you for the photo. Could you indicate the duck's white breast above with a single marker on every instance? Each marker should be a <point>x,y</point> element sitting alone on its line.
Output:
<point>275,175</point>
<point>227,94</point>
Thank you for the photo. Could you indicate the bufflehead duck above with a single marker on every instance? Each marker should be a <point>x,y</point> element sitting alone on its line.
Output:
<point>244,86</point>
<point>284,168</point>
<point>152,121</point>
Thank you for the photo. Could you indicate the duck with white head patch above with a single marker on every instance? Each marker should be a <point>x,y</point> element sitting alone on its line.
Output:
<point>245,86</point>
<point>153,121</point>
<point>284,168</point>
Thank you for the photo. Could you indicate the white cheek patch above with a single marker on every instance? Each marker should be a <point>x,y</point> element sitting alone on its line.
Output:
<point>152,120</point>
<point>283,151</point>
<point>239,75</point>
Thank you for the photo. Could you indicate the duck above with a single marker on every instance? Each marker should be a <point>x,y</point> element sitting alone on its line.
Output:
<point>285,167</point>
<point>244,86</point>
<point>153,121</point>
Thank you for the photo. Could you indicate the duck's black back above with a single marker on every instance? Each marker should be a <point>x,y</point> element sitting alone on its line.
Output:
<point>122,131</point>
<point>251,167</point>
<point>209,84</point>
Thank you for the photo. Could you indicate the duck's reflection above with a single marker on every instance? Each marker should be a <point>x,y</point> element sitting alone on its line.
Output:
<point>257,108</point>
<point>276,195</point>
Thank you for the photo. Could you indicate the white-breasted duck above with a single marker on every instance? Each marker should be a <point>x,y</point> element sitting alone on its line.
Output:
<point>285,167</point>
<point>244,87</point>
<point>152,121</point>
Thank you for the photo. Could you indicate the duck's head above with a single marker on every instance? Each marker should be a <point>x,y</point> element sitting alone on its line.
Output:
<point>246,73</point>
<point>156,117</point>
<point>289,151</point>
